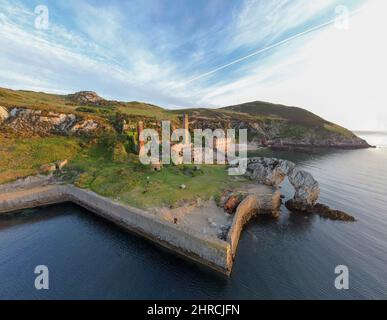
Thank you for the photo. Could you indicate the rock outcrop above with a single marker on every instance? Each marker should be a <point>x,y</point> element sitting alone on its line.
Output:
<point>272,172</point>
<point>307,188</point>
<point>86,98</point>
<point>39,122</point>
<point>269,171</point>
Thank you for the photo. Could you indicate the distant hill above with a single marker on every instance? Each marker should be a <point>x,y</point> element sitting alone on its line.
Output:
<point>291,114</point>
<point>267,124</point>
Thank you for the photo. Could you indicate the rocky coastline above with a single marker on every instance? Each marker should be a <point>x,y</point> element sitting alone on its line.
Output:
<point>272,172</point>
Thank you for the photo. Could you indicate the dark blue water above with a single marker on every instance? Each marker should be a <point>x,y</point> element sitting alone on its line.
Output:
<point>293,257</point>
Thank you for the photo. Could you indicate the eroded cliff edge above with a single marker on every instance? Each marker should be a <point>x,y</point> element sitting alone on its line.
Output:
<point>272,172</point>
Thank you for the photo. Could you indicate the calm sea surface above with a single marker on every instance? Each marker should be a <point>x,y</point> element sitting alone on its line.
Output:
<point>293,257</point>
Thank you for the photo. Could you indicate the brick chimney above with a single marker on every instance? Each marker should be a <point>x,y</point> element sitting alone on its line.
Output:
<point>186,127</point>
<point>140,129</point>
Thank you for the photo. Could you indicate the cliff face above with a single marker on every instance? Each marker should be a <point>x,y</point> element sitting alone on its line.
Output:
<point>277,126</point>
<point>28,122</point>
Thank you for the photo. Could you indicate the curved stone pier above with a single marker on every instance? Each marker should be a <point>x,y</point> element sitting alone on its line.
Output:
<point>251,206</point>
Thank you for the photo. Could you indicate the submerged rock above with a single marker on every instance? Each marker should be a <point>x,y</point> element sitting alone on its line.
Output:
<point>320,209</point>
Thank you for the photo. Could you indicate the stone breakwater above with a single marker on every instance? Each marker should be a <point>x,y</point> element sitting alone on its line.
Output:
<point>252,205</point>
<point>205,249</point>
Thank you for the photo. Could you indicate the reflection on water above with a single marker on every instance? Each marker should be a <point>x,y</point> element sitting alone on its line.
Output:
<point>292,257</point>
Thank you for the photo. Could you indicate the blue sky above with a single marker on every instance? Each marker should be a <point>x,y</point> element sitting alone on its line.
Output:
<point>164,52</point>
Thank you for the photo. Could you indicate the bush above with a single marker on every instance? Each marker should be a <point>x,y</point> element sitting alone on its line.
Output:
<point>119,153</point>
<point>95,110</point>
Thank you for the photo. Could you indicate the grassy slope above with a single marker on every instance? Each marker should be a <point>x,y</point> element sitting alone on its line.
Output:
<point>92,167</point>
<point>299,120</point>
<point>61,103</point>
<point>291,114</point>
<point>23,157</point>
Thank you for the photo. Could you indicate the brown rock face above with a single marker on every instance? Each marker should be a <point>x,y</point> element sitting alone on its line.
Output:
<point>231,204</point>
<point>320,209</point>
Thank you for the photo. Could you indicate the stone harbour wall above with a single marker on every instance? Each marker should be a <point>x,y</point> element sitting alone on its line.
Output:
<point>206,250</point>
<point>251,206</point>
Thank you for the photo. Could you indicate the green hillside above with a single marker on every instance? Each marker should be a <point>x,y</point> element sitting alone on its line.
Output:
<point>67,103</point>
<point>291,114</point>
<point>262,119</point>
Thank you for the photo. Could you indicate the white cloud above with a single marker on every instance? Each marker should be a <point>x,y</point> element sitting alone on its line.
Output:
<point>58,60</point>
<point>265,20</point>
<point>343,75</point>
<point>336,74</point>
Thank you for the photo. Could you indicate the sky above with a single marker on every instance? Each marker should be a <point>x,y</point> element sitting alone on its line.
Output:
<point>327,56</point>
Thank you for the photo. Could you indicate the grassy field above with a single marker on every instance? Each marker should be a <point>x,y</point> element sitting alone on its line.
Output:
<point>138,185</point>
<point>23,157</point>
<point>92,165</point>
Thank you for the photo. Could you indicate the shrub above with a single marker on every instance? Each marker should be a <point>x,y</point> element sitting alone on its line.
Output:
<point>119,153</point>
